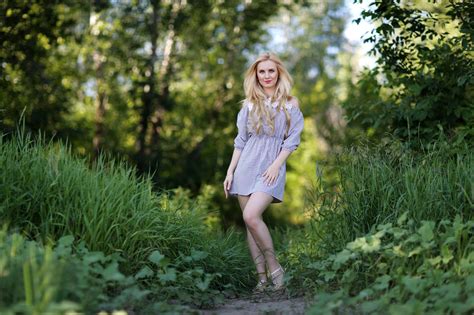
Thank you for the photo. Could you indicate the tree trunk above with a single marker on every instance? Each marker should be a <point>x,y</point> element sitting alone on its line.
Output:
<point>149,94</point>
<point>100,104</point>
<point>163,79</point>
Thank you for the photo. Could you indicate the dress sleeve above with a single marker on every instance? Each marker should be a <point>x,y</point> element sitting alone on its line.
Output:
<point>296,127</point>
<point>242,135</point>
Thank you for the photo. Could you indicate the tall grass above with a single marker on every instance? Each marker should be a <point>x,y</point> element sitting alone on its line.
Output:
<point>378,185</point>
<point>412,196</point>
<point>47,193</point>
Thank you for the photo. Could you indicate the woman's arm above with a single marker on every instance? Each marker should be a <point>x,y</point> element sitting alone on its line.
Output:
<point>284,154</point>
<point>230,171</point>
<point>234,161</point>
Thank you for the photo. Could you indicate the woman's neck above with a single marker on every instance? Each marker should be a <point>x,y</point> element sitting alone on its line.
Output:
<point>269,92</point>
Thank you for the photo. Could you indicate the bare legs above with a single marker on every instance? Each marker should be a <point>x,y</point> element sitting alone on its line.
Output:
<point>258,236</point>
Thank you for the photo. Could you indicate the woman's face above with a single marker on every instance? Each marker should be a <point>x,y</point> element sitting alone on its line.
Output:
<point>267,73</point>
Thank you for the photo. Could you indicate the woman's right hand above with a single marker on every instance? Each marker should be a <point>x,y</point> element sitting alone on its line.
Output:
<point>227,183</point>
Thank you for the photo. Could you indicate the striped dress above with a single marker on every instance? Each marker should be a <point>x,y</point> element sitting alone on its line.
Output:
<point>259,151</point>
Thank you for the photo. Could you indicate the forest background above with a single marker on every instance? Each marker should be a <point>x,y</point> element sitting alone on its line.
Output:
<point>157,83</point>
<point>117,121</point>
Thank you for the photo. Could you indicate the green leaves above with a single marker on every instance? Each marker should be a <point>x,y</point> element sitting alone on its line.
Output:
<point>156,257</point>
<point>145,272</point>
<point>112,273</point>
<point>421,52</point>
<point>406,266</point>
<point>426,231</point>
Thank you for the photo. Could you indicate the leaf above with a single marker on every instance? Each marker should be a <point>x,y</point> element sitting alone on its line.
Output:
<point>470,283</point>
<point>371,306</point>
<point>341,258</point>
<point>134,293</point>
<point>434,261</point>
<point>145,272</point>
<point>397,250</point>
<point>402,219</point>
<point>156,257</point>
<point>329,275</point>
<point>111,273</point>
<point>412,284</point>
<point>366,244</point>
<point>66,240</point>
<point>381,283</point>
<point>446,254</point>
<point>204,285</point>
<point>93,257</point>
<point>198,255</point>
<point>365,293</point>
<point>416,89</point>
<point>169,276</point>
<point>426,231</point>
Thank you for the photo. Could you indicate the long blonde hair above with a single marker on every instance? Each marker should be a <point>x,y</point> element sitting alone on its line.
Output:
<point>254,93</point>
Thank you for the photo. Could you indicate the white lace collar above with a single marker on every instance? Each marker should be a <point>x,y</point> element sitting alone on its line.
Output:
<point>267,102</point>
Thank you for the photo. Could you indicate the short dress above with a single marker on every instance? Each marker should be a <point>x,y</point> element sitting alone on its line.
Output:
<point>259,151</point>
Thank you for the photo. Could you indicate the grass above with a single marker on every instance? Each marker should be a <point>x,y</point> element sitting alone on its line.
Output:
<point>47,193</point>
<point>378,185</point>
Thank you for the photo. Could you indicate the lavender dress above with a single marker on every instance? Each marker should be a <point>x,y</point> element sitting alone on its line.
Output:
<point>259,151</point>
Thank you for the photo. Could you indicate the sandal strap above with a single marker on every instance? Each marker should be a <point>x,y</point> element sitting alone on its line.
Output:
<point>276,270</point>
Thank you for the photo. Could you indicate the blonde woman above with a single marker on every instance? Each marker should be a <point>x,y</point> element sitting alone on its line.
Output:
<point>269,126</point>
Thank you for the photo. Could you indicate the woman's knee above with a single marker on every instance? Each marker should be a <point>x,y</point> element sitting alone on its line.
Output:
<point>251,219</point>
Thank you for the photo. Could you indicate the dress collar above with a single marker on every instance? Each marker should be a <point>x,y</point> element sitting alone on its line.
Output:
<point>267,101</point>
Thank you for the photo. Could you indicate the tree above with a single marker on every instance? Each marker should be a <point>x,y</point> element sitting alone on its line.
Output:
<point>424,76</point>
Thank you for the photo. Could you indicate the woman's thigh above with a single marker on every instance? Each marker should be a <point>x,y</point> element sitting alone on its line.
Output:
<point>243,201</point>
<point>257,203</point>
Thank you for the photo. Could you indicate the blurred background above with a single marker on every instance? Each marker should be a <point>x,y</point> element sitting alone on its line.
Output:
<point>157,83</point>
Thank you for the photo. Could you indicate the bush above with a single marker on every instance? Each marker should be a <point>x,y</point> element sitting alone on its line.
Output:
<point>47,194</point>
<point>423,81</point>
<point>378,184</point>
<point>36,279</point>
<point>405,268</point>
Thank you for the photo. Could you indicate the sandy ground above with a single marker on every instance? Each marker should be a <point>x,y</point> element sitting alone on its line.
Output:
<point>258,305</point>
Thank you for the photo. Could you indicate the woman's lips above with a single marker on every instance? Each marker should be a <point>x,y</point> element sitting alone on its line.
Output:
<point>267,81</point>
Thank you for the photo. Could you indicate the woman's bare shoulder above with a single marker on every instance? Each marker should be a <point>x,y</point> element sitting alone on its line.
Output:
<point>293,101</point>
<point>246,103</point>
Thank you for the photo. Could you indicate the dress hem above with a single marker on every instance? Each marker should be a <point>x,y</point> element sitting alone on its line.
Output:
<point>275,199</point>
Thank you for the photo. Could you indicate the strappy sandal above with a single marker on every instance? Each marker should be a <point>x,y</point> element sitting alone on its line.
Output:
<point>261,286</point>
<point>281,286</point>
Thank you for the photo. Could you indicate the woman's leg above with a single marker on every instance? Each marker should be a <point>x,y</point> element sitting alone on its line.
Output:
<point>255,252</point>
<point>256,205</point>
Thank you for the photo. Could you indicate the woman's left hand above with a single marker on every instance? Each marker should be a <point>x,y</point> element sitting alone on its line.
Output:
<point>271,174</point>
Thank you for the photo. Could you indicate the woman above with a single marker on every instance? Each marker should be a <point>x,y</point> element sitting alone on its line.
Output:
<point>269,127</point>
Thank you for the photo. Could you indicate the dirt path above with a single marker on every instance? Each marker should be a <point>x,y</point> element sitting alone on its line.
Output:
<point>274,305</point>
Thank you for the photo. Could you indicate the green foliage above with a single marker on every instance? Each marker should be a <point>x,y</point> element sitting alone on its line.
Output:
<point>424,80</point>
<point>378,184</point>
<point>33,66</point>
<point>402,267</point>
<point>36,279</point>
<point>158,82</point>
<point>67,277</point>
<point>397,237</point>
<point>47,193</point>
